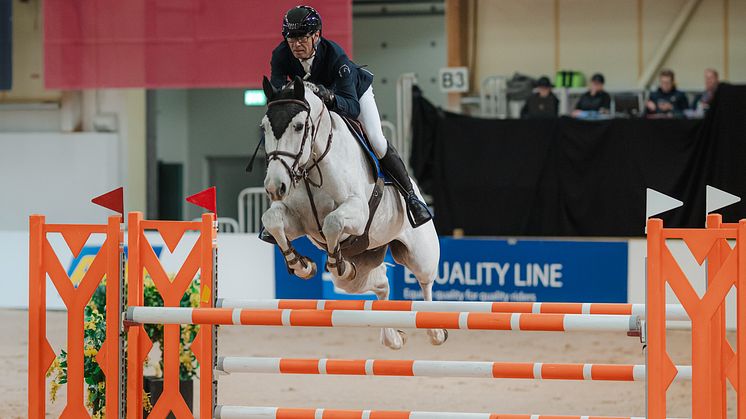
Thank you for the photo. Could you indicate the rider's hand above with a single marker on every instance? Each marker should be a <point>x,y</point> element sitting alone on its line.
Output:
<point>326,95</point>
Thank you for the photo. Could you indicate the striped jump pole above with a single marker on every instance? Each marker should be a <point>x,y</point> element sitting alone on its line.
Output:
<point>673,311</point>
<point>239,412</point>
<point>394,319</point>
<point>419,368</point>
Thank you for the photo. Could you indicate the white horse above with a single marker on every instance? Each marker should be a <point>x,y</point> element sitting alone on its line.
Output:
<point>320,183</point>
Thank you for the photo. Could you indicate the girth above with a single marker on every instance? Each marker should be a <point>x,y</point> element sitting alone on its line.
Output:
<point>353,245</point>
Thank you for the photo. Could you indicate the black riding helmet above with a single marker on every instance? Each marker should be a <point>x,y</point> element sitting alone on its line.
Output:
<point>301,21</point>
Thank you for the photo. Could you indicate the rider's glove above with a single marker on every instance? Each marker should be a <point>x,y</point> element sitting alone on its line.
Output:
<point>326,95</point>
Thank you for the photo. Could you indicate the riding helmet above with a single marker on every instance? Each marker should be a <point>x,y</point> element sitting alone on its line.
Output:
<point>301,21</point>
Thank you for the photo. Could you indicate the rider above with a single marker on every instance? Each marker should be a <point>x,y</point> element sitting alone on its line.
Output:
<point>343,86</point>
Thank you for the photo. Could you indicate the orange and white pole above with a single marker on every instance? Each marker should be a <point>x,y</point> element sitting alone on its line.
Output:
<point>673,311</point>
<point>394,319</point>
<point>420,368</point>
<point>240,412</point>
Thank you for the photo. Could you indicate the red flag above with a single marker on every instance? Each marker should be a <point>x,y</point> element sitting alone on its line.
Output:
<point>206,199</point>
<point>113,200</point>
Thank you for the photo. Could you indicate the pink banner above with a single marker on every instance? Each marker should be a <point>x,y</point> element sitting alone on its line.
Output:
<point>171,43</point>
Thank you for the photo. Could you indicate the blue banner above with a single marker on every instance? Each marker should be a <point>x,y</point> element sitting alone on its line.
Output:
<point>490,270</point>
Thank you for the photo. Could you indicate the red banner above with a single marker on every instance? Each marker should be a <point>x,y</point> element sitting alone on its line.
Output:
<point>171,43</point>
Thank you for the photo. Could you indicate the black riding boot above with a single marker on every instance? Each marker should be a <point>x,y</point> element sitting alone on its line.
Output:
<point>266,237</point>
<point>418,213</point>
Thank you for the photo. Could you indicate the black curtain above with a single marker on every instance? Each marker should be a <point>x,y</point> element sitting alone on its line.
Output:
<point>567,177</point>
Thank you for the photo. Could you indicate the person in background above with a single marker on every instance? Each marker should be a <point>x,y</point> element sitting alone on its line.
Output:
<point>667,101</point>
<point>543,103</point>
<point>702,101</point>
<point>595,100</point>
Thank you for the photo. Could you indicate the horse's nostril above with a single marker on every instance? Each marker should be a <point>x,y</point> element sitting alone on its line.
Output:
<point>283,189</point>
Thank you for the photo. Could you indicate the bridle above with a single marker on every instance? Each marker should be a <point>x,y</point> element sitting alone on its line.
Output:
<point>295,170</point>
<point>355,244</point>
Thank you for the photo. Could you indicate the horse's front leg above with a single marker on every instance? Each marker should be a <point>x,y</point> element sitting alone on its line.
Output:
<point>281,225</point>
<point>349,218</point>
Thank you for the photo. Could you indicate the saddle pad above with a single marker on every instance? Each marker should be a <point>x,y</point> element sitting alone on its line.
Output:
<point>362,138</point>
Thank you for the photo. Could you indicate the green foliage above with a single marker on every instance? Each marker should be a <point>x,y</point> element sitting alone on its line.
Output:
<point>187,361</point>
<point>95,333</point>
<point>93,337</point>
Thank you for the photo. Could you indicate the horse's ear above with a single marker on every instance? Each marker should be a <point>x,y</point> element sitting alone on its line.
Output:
<point>299,88</point>
<point>269,90</point>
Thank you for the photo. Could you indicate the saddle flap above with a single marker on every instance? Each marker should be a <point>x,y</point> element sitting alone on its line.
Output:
<point>357,130</point>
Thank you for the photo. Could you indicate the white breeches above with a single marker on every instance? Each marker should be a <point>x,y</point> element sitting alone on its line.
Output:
<point>371,121</point>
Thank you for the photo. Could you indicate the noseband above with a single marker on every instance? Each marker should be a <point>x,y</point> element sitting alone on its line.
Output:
<point>295,170</point>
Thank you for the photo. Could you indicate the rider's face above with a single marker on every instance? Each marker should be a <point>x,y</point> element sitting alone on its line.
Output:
<point>302,46</point>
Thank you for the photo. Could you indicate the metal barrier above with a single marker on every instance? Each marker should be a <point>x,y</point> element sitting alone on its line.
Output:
<point>252,202</point>
<point>493,97</point>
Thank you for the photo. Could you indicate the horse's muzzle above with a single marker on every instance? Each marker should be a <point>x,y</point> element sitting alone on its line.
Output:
<point>276,190</point>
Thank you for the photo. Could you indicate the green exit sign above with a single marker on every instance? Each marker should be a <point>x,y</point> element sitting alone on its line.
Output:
<point>254,97</point>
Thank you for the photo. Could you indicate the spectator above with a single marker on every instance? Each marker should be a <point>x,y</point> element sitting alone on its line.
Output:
<point>702,101</point>
<point>543,103</point>
<point>667,101</point>
<point>595,100</point>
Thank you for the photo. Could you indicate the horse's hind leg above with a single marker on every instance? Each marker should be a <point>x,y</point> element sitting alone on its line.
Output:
<point>437,336</point>
<point>390,337</point>
<point>371,276</point>
<point>423,262</point>
<point>278,223</point>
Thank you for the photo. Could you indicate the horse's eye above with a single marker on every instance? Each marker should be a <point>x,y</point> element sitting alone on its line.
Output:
<point>298,127</point>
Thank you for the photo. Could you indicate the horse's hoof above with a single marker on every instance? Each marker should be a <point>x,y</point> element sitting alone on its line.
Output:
<point>403,335</point>
<point>309,271</point>
<point>438,336</point>
<point>393,339</point>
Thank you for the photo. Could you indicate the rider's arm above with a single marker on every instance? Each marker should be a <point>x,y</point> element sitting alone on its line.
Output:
<point>279,71</point>
<point>344,88</point>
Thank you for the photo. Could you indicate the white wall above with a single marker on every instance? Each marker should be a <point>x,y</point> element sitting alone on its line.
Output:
<point>55,174</point>
<point>172,129</point>
<point>393,45</point>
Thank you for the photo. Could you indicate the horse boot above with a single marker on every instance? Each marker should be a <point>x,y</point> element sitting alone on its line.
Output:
<point>266,237</point>
<point>417,211</point>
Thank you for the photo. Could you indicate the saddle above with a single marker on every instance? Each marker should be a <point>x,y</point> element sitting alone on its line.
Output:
<point>357,130</point>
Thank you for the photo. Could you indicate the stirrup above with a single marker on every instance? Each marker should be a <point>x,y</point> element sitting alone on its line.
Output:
<point>417,219</point>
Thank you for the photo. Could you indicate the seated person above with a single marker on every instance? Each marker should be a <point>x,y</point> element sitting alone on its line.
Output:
<point>702,101</point>
<point>543,103</point>
<point>595,100</point>
<point>667,101</point>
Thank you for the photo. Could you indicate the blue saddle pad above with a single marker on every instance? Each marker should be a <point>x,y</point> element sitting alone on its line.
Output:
<point>357,131</point>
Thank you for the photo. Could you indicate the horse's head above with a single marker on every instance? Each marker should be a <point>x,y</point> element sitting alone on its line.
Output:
<point>290,127</point>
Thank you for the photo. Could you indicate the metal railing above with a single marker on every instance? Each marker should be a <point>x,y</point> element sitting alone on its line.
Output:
<point>404,115</point>
<point>494,97</point>
<point>252,202</point>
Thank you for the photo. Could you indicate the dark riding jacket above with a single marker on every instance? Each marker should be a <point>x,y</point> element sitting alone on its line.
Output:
<point>331,68</point>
